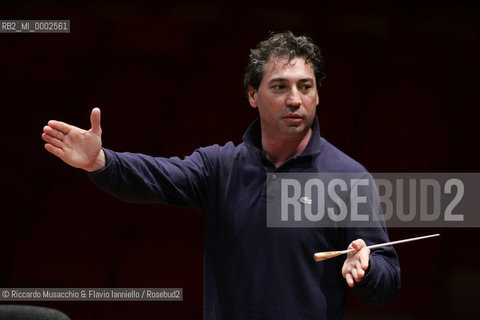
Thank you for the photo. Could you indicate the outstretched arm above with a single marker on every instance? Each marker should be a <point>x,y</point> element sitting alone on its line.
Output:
<point>77,147</point>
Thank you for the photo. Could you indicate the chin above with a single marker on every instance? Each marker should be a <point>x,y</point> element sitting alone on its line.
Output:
<point>295,130</point>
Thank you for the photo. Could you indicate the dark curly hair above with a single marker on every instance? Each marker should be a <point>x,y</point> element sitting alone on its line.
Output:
<point>279,45</point>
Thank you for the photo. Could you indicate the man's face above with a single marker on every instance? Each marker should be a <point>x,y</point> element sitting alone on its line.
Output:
<point>286,98</point>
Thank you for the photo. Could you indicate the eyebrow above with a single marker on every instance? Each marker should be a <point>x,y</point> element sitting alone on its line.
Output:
<point>284,79</point>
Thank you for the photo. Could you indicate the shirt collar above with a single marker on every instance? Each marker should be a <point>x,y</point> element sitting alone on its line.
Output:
<point>253,137</point>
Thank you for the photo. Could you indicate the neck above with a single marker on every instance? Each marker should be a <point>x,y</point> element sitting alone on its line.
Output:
<point>281,148</point>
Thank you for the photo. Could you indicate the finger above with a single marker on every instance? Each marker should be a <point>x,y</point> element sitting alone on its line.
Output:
<point>360,272</point>
<point>358,244</point>
<point>354,273</point>
<point>95,121</point>
<point>54,133</point>
<point>52,140</point>
<point>360,275</point>
<point>365,259</point>
<point>60,126</point>
<point>349,279</point>
<point>354,245</point>
<point>54,150</point>
<point>346,269</point>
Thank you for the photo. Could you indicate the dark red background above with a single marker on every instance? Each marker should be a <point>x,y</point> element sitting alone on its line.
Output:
<point>400,95</point>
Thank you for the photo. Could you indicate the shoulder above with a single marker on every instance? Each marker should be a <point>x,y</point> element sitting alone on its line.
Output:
<point>228,149</point>
<point>223,154</point>
<point>333,159</point>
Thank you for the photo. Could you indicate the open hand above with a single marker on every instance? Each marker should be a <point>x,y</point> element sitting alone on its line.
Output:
<point>77,147</point>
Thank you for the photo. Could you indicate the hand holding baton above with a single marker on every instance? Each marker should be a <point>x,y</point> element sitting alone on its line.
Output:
<point>320,256</point>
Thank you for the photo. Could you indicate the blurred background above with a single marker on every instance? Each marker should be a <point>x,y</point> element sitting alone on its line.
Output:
<point>400,95</point>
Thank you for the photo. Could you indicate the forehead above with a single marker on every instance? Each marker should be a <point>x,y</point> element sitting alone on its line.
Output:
<point>295,69</point>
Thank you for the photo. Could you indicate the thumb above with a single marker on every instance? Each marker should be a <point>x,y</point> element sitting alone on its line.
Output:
<point>358,244</point>
<point>95,121</point>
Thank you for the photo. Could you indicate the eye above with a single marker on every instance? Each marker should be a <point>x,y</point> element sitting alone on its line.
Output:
<point>305,87</point>
<point>278,87</point>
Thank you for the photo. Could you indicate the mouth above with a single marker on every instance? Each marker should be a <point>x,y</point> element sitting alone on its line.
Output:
<point>293,118</point>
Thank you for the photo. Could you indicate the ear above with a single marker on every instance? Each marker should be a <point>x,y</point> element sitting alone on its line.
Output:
<point>252,97</point>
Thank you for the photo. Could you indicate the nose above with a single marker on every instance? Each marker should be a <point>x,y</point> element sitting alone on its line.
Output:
<point>293,99</point>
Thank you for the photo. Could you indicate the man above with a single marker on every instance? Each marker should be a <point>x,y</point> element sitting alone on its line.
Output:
<point>251,271</point>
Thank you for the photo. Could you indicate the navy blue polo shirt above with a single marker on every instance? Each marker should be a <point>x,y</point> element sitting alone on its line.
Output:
<point>251,271</point>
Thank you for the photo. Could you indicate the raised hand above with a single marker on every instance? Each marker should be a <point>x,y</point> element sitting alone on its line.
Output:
<point>77,147</point>
<point>356,263</point>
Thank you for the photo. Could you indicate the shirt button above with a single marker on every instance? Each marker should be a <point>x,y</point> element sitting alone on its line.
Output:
<point>274,177</point>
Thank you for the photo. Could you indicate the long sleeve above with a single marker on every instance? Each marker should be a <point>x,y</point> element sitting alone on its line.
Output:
<point>140,178</point>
